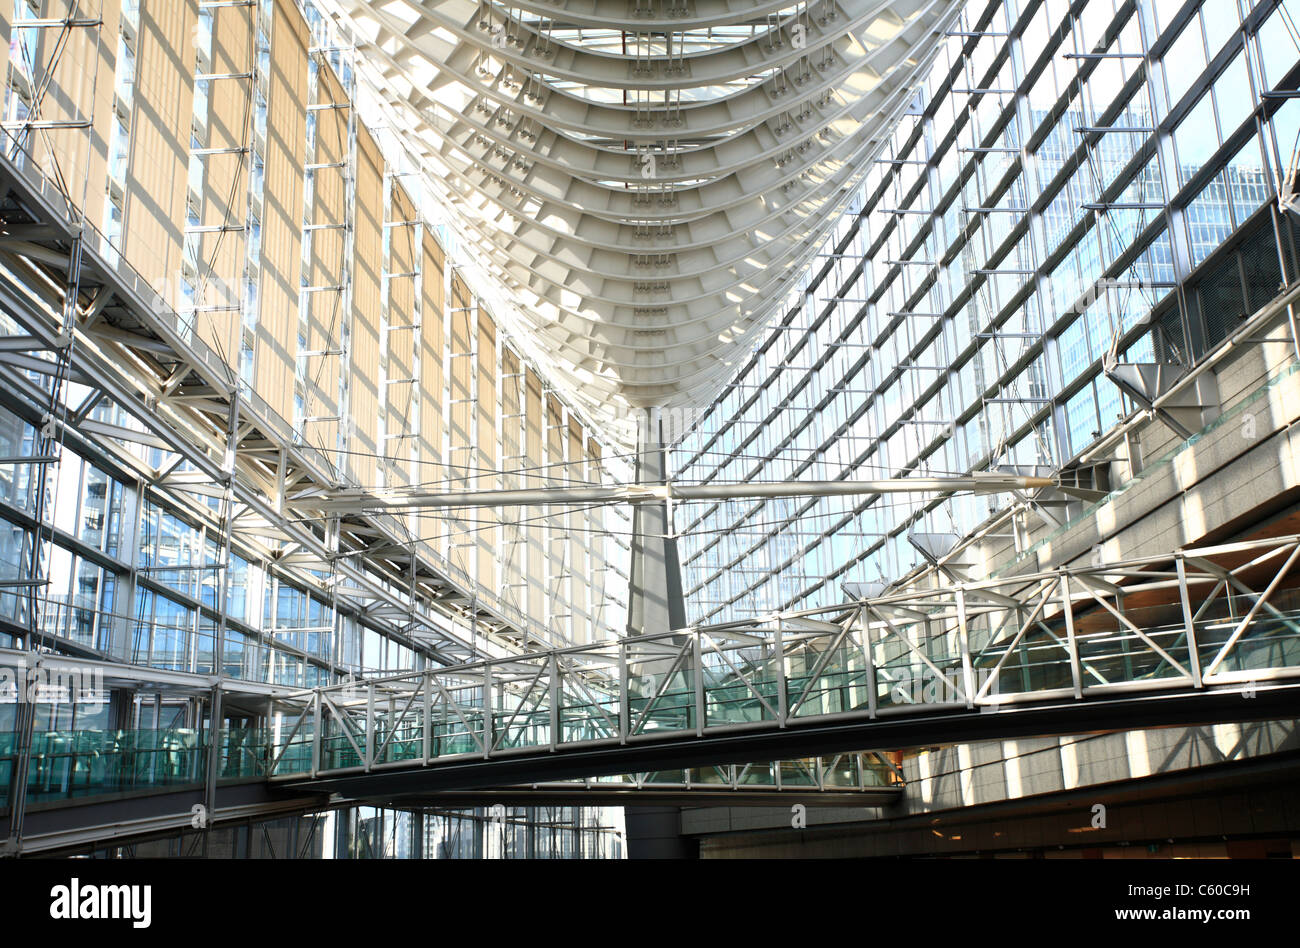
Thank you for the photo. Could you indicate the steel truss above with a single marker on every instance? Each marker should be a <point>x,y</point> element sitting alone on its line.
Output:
<point>1074,644</point>
<point>131,351</point>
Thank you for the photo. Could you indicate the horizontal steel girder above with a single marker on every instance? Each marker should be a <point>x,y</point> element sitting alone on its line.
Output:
<point>646,493</point>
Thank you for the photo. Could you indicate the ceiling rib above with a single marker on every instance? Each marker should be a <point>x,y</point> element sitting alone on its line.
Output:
<point>645,179</point>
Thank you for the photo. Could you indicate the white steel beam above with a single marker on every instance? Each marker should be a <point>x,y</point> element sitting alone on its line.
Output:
<point>356,501</point>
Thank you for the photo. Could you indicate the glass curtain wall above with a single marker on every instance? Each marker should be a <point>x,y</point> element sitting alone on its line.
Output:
<point>1072,179</point>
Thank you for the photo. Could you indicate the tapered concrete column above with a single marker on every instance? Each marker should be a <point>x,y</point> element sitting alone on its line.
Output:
<point>655,604</point>
<point>655,588</point>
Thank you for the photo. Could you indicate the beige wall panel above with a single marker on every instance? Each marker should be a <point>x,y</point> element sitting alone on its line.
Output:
<point>401,339</point>
<point>576,472</point>
<point>84,71</point>
<point>225,185</point>
<point>325,316</point>
<point>511,422</point>
<point>432,375</point>
<point>557,545</point>
<point>597,568</point>
<point>154,222</point>
<point>514,551</point>
<point>554,433</point>
<point>486,462</point>
<point>367,276</point>
<point>276,348</point>
<point>535,458</point>
<point>460,369</point>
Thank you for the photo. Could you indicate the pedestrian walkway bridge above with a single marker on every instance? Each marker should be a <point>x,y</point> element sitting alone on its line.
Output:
<point>1199,636</point>
<point>1202,635</point>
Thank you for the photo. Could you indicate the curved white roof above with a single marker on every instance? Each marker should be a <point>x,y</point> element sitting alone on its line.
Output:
<point>646,178</point>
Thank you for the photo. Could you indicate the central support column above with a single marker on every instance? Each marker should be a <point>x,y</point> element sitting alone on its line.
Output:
<point>655,601</point>
<point>655,604</point>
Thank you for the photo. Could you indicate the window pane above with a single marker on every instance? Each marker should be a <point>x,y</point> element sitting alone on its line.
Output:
<point>1196,139</point>
<point>1221,22</point>
<point>1184,61</point>
<point>1248,184</point>
<point>1233,96</point>
<point>1278,41</point>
